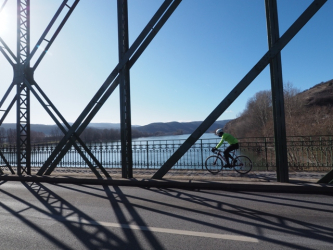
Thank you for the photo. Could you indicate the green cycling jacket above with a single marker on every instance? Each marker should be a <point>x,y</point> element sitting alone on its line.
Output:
<point>228,138</point>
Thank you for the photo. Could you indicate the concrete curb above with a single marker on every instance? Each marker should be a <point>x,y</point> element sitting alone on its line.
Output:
<point>234,186</point>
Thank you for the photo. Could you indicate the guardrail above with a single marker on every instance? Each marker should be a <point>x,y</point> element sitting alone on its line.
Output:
<point>307,153</point>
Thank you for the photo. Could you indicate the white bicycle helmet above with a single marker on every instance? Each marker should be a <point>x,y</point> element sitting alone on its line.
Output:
<point>219,132</point>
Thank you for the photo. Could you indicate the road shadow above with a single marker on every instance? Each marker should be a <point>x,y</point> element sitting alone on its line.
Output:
<point>239,212</point>
<point>85,229</point>
<point>228,207</point>
<point>224,209</point>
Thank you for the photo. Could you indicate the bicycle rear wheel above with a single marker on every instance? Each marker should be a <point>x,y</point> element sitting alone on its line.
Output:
<point>214,164</point>
<point>242,164</point>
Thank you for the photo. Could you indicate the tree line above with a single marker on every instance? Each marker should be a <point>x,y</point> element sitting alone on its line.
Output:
<point>301,119</point>
<point>89,135</point>
<point>256,120</point>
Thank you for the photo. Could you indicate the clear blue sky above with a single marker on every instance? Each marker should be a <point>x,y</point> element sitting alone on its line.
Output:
<point>202,52</point>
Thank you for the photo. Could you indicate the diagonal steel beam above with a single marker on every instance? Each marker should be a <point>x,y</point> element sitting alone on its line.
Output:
<point>109,91</point>
<point>327,179</point>
<point>6,56</point>
<point>3,5</point>
<point>72,139</point>
<point>28,71</point>
<point>29,75</point>
<point>7,93</point>
<point>1,121</point>
<point>6,162</point>
<point>139,45</point>
<point>8,49</point>
<point>1,154</point>
<point>50,104</point>
<point>71,9</point>
<point>241,86</point>
<point>8,109</point>
<point>43,37</point>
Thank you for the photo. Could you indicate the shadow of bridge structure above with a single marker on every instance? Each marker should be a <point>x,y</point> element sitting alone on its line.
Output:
<point>111,217</point>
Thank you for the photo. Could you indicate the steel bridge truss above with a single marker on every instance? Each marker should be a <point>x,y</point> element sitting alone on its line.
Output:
<point>128,55</point>
<point>119,76</point>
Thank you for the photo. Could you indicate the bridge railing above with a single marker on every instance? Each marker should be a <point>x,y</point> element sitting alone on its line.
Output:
<point>306,153</point>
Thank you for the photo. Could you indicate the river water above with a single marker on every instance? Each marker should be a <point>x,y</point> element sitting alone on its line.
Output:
<point>177,137</point>
<point>148,152</point>
<point>152,152</point>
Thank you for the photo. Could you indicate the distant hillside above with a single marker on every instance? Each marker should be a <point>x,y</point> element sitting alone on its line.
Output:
<point>319,95</point>
<point>307,113</point>
<point>177,127</point>
<point>46,129</point>
<point>150,129</point>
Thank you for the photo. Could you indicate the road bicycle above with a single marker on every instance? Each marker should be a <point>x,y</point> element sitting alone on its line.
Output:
<point>240,163</point>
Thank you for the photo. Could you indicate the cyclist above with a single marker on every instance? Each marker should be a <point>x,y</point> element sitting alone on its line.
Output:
<point>228,138</point>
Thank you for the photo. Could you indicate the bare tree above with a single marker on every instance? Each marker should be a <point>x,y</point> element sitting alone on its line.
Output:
<point>11,136</point>
<point>293,107</point>
<point>3,135</point>
<point>257,114</point>
<point>56,134</point>
<point>37,137</point>
<point>301,119</point>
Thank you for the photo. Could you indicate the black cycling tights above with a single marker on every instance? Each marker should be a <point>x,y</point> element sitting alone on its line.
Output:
<point>228,150</point>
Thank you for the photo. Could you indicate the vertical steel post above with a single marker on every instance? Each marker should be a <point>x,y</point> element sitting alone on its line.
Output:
<point>124,89</point>
<point>23,93</point>
<point>240,87</point>
<point>277,94</point>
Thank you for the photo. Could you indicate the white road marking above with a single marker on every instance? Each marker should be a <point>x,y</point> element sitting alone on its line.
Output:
<point>166,230</point>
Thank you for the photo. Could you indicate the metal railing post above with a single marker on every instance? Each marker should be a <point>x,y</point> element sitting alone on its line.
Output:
<point>266,157</point>
<point>147,146</point>
<point>202,160</point>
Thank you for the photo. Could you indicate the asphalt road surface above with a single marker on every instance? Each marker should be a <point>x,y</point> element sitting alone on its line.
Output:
<point>63,216</point>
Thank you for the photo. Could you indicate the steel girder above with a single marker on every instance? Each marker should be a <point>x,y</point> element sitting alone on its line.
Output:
<point>124,91</point>
<point>127,57</point>
<point>107,88</point>
<point>273,51</point>
<point>23,93</point>
<point>277,94</point>
<point>23,74</point>
<point>48,106</point>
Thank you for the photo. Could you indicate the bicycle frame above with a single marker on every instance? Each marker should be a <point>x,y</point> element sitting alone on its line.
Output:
<point>219,153</point>
<point>240,163</point>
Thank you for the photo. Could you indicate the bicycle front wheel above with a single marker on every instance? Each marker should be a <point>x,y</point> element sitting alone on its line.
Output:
<point>242,164</point>
<point>214,164</point>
